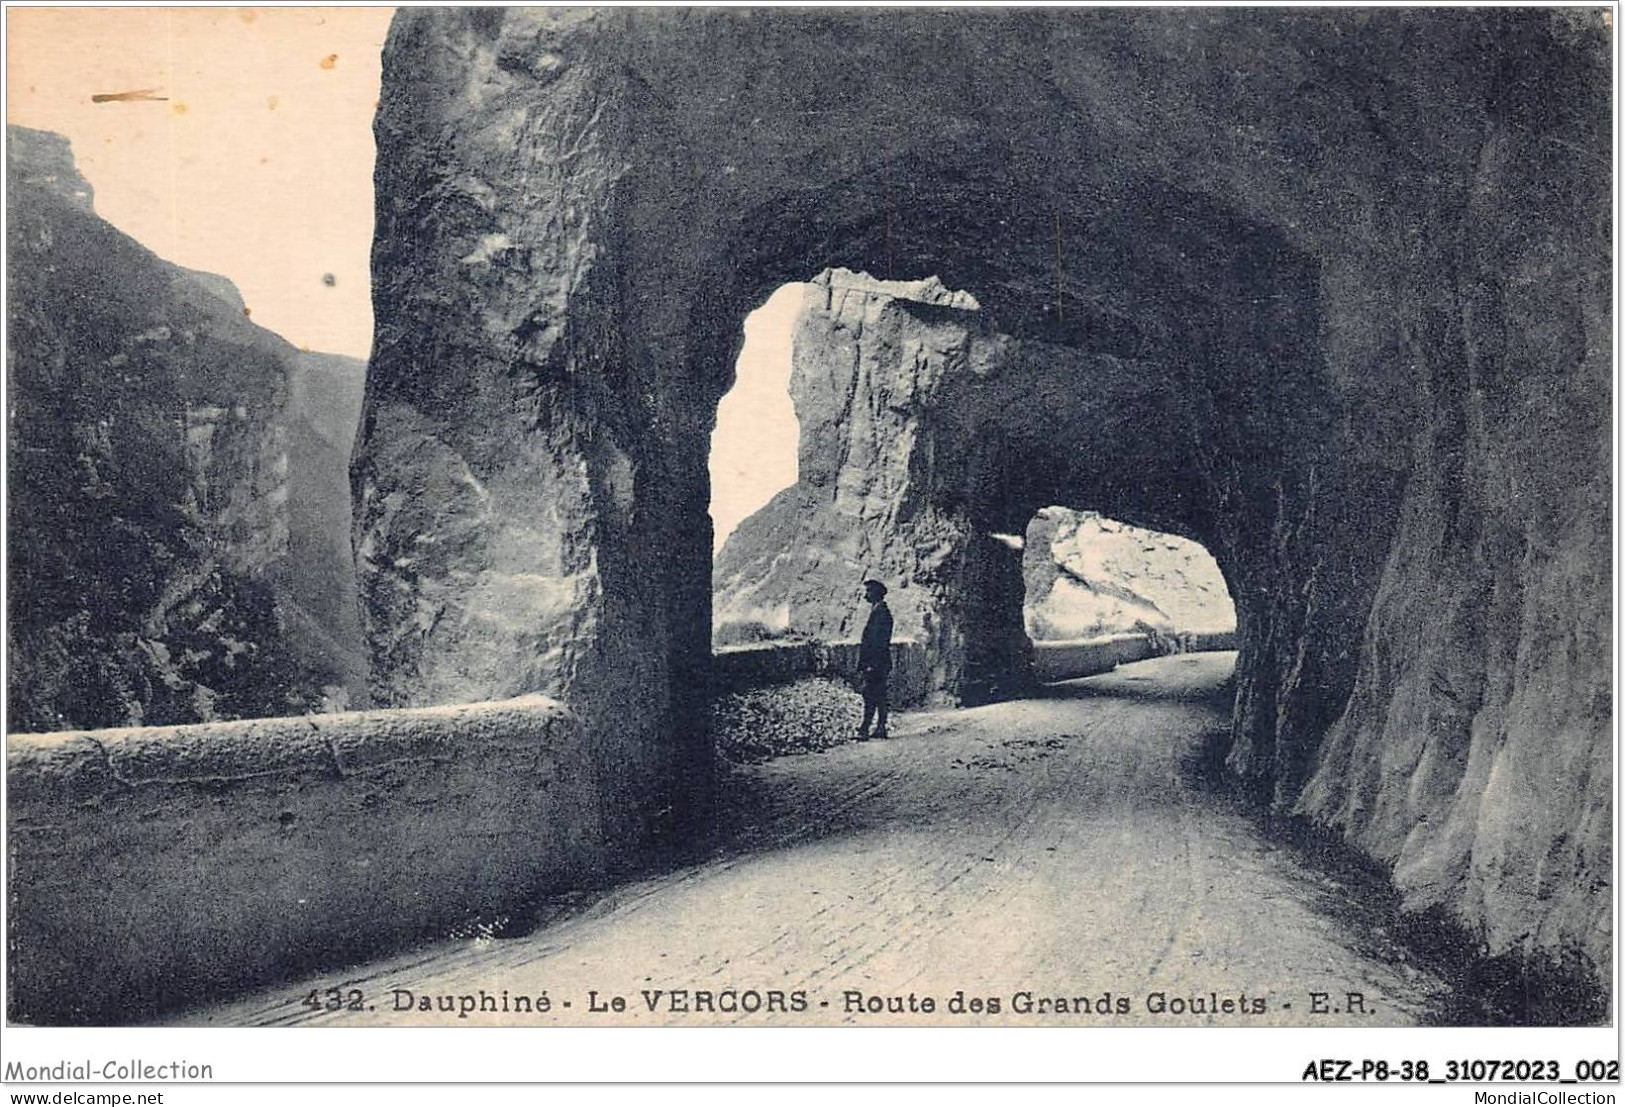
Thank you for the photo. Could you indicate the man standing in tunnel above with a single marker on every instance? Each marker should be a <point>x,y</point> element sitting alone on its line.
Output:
<point>874,659</point>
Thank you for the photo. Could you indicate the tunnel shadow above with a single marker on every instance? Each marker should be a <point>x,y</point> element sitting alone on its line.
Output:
<point>1359,894</point>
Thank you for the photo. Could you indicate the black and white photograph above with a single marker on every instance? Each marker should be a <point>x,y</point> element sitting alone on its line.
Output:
<point>812,517</point>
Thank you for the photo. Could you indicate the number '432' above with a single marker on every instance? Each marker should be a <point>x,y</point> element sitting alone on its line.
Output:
<point>334,999</point>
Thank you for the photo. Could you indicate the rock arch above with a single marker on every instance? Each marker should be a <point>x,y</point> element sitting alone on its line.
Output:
<point>925,433</point>
<point>1356,263</point>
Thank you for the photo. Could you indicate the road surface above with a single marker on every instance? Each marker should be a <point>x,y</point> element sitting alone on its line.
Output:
<point>1047,861</point>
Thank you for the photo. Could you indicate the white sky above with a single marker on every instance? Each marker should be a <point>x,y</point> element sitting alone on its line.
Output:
<point>753,450</point>
<point>258,166</point>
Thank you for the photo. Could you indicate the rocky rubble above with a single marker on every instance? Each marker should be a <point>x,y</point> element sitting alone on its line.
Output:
<point>803,716</point>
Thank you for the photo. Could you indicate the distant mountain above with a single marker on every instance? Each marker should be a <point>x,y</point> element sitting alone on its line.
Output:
<point>324,408</point>
<point>177,549</point>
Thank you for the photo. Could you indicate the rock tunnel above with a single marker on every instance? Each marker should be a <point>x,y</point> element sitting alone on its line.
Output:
<point>1325,292</point>
<point>926,435</point>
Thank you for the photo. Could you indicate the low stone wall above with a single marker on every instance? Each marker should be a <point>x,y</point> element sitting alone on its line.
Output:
<point>1083,657</point>
<point>737,668</point>
<point>1212,642</point>
<point>157,866</point>
<point>1069,660</point>
<point>734,668</point>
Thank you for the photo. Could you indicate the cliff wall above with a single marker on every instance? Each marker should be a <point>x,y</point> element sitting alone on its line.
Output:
<point>165,520</point>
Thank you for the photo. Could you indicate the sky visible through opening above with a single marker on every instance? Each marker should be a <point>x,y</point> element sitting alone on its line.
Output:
<point>753,449</point>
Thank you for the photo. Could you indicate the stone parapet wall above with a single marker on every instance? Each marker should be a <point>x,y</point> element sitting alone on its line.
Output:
<point>152,867</point>
<point>1211,641</point>
<point>736,668</point>
<point>1088,656</point>
<point>1069,660</point>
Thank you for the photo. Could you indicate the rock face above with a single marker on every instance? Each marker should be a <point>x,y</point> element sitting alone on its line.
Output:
<point>1087,576</point>
<point>155,447</point>
<point>1327,292</point>
<point>877,490</point>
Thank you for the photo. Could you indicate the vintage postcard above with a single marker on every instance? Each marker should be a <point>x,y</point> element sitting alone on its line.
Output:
<point>819,517</point>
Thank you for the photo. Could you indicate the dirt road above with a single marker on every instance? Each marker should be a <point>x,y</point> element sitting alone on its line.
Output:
<point>1048,854</point>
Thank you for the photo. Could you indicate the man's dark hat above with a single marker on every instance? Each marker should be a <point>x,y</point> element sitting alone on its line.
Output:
<point>876,584</point>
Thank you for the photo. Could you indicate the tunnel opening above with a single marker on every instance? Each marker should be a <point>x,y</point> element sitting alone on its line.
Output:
<point>1133,348</point>
<point>753,450</point>
<point>804,514</point>
<point>801,517</point>
<point>1149,345</point>
<point>1094,585</point>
